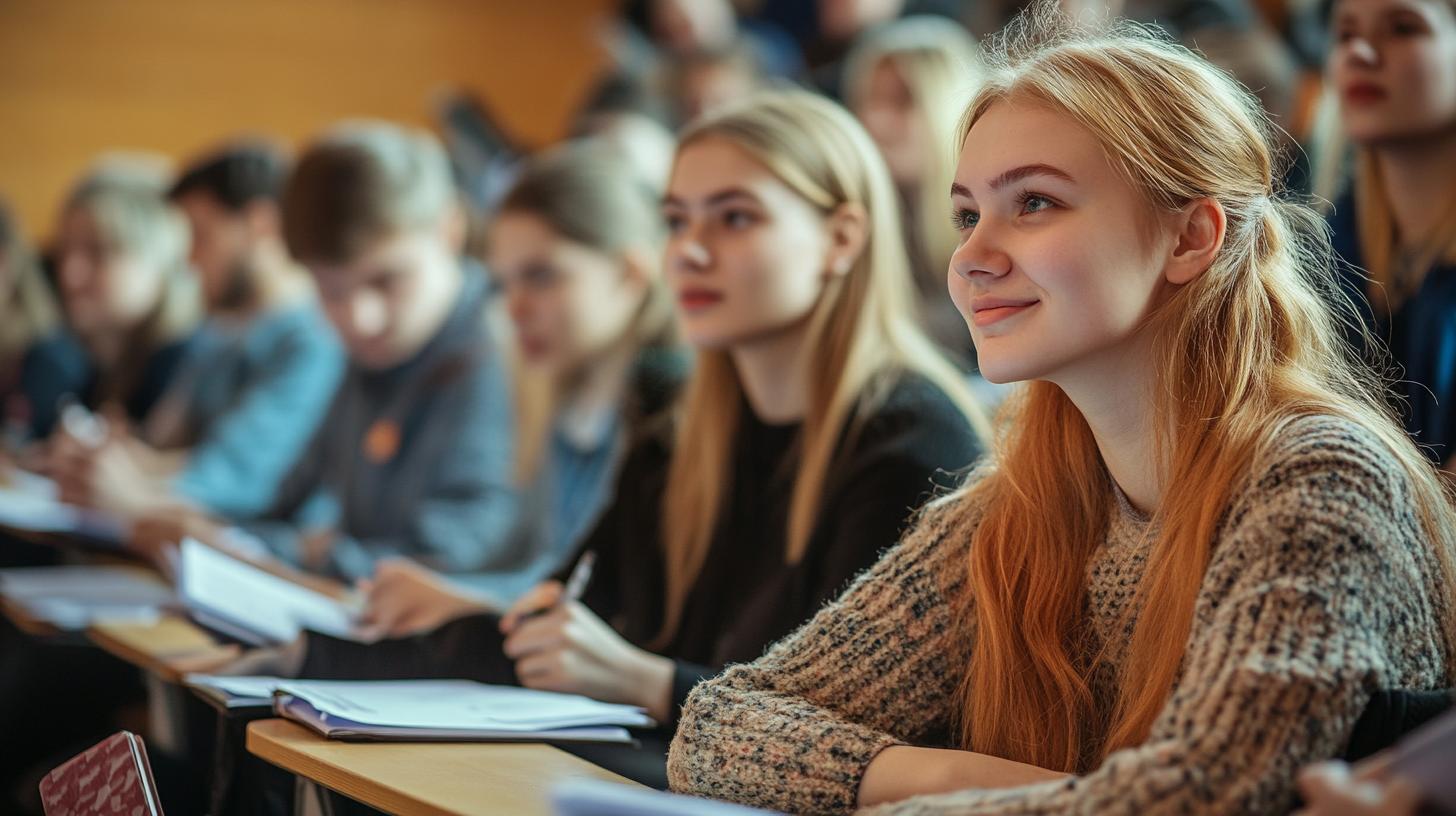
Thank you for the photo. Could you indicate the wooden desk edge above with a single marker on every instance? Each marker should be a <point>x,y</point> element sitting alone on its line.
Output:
<point>284,755</point>
<point>101,634</point>
<point>278,741</point>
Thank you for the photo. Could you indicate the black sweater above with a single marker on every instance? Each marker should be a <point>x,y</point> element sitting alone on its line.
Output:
<point>745,597</point>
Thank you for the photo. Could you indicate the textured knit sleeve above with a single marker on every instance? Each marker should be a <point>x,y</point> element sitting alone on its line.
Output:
<point>1318,594</point>
<point>795,729</point>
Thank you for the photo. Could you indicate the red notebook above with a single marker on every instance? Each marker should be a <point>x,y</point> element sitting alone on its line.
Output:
<point>111,779</point>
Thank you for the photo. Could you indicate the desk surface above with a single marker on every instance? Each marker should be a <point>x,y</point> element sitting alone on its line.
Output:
<point>428,779</point>
<point>168,648</point>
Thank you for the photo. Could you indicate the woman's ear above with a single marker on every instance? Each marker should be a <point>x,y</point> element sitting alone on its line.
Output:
<point>1200,224</point>
<point>849,233</point>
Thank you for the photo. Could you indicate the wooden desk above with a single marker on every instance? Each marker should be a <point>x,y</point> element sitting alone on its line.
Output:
<point>425,779</point>
<point>168,648</point>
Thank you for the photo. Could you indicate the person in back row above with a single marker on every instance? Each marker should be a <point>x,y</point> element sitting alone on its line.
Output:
<point>414,455</point>
<point>262,367</point>
<point>1203,542</point>
<point>1394,65</point>
<point>575,256</point>
<point>129,304</point>
<point>817,418</point>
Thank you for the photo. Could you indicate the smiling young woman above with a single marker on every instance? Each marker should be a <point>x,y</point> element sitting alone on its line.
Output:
<point>1202,541</point>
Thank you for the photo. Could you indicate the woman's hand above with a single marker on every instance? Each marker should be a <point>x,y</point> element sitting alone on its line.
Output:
<point>567,648</point>
<point>1368,789</point>
<point>404,597</point>
<point>902,771</point>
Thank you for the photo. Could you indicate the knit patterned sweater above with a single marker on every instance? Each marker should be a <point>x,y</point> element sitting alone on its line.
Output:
<point>1321,589</point>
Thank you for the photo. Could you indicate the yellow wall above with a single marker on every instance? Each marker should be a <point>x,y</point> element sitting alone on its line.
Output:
<point>177,76</point>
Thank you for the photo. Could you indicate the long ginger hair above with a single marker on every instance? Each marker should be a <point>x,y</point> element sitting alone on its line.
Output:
<point>1251,344</point>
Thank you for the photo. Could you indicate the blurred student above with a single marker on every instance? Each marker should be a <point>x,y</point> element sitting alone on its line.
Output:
<point>1203,541</point>
<point>414,455</point>
<point>817,418</point>
<point>699,82</point>
<point>130,304</point>
<point>905,81</point>
<point>1393,64</point>
<point>28,313</point>
<point>575,256</point>
<point>256,377</point>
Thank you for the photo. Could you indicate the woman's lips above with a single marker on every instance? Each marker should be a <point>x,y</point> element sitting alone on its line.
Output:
<point>1364,93</point>
<point>697,299</point>
<point>986,311</point>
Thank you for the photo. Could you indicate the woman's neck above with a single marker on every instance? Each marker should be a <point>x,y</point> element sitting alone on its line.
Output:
<point>1114,395</point>
<point>1420,183</point>
<point>774,371</point>
<point>596,386</point>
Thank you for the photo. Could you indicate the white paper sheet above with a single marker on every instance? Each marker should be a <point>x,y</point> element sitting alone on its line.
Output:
<point>254,599</point>
<point>462,704</point>
<point>590,797</point>
<point>31,505</point>
<point>71,597</point>
<point>239,685</point>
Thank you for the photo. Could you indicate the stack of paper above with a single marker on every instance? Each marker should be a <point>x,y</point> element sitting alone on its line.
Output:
<point>590,797</point>
<point>451,710</point>
<point>252,604</point>
<point>240,691</point>
<point>71,597</point>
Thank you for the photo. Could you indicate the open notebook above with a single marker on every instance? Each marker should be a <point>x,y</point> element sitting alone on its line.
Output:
<point>112,778</point>
<point>246,602</point>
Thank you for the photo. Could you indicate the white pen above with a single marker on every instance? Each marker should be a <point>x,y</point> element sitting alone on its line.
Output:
<point>580,575</point>
<point>575,584</point>
<point>82,425</point>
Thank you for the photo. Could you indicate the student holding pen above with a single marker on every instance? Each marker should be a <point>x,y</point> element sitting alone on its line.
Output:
<point>575,263</point>
<point>817,418</point>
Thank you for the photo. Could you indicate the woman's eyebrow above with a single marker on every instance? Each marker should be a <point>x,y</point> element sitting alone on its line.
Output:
<point>1027,170</point>
<point>1013,175</point>
<point>716,198</point>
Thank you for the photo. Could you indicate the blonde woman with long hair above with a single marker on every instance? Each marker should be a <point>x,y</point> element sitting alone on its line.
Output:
<point>27,313</point>
<point>1202,541</point>
<point>130,304</point>
<point>1393,65</point>
<point>905,81</point>
<point>817,417</point>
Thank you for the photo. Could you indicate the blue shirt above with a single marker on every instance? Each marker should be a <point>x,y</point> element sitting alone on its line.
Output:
<point>412,461</point>
<point>1421,335</point>
<point>251,400</point>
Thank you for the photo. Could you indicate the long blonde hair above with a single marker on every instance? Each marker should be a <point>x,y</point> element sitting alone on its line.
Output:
<point>1247,347</point>
<point>590,196</point>
<point>129,205</point>
<point>941,65</point>
<point>863,327</point>
<point>1391,282</point>
<point>27,304</point>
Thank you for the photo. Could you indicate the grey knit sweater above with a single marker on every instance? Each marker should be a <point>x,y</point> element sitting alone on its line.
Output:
<point>1321,589</point>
